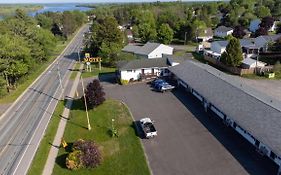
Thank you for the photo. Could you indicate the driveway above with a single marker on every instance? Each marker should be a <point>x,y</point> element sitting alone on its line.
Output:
<point>189,141</point>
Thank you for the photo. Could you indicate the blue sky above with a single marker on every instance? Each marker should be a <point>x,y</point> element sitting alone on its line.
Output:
<point>78,1</point>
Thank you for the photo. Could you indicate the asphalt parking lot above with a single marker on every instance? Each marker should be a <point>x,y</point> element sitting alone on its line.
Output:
<point>189,141</point>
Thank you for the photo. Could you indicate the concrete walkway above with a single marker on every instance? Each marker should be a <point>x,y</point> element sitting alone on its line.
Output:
<point>48,168</point>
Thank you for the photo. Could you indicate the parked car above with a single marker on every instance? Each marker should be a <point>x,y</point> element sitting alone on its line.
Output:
<point>164,87</point>
<point>148,128</point>
<point>157,81</point>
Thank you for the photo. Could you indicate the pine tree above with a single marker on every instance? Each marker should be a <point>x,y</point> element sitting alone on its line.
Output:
<point>94,94</point>
<point>233,55</point>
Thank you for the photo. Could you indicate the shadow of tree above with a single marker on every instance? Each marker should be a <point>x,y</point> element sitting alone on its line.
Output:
<point>60,160</point>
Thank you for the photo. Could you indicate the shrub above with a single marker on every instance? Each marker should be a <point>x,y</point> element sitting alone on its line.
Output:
<point>73,161</point>
<point>90,156</point>
<point>124,82</point>
<point>94,94</point>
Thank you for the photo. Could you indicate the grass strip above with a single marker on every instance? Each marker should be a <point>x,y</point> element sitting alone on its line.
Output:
<point>41,155</point>
<point>122,155</point>
<point>96,71</point>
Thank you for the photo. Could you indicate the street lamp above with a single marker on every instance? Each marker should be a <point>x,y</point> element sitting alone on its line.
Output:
<point>59,75</point>
<point>257,60</point>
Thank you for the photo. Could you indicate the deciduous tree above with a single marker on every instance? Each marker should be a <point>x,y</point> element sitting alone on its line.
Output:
<point>165,34</point>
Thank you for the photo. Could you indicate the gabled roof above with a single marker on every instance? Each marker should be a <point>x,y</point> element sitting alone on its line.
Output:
<point>178,59</point>
<point>142,50</point>
<point>257,113</point>
<point>249,42</point>
<point>270,38</point>
<point>131,48</point>
<point>223,29</point>
<point>206,33</point>
<point>142,63</point>
<point>147,48</point>
<point>250,61</point>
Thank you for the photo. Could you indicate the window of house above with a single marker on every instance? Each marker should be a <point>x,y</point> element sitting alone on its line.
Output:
<point>129,70</point>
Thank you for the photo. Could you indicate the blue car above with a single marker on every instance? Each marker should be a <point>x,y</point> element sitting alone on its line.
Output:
<point>156,82</point>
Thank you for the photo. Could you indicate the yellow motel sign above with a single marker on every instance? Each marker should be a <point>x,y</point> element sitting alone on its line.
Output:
<point>93,60</point>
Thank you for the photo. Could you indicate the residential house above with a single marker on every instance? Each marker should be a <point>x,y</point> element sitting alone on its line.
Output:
<point>149,50</point>
<point>205,35</point>
<point>249,48</point>
<point>252,114</point>
<point>148,68</point>
<point>264,40</point>
<point>223,31</point>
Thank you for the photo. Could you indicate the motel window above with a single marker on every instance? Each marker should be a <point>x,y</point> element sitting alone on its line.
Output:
<point>129,70</point>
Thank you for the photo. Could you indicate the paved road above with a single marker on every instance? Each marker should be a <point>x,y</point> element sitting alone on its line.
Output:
<point>189,141</point>
<point>22,127</point>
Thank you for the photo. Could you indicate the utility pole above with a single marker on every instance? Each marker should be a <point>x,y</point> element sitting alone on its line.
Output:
<point>79,55</point>
<point>185,38</point>
<point>257,61</point>
<point>86,107</point>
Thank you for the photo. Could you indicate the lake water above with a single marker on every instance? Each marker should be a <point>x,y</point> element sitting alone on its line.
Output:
<point>59,8</point>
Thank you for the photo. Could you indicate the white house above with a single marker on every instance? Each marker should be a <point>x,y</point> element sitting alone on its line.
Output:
<point>149,50</point>
<point>139,68</point>
<point>223,31</point>
<point>148,68</point>
<point>219,46</point>
<point>254,25</point>
<point>205,35</point>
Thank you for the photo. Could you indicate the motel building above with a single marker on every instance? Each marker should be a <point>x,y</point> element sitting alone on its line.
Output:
<point>254,115</point>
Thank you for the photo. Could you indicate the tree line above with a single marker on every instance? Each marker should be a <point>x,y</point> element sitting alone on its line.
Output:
<point>26,42</point>
<point>175,21</point>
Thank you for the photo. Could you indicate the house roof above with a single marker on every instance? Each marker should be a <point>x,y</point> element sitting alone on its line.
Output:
<point>223,29</point>
<point>250,61</point>
<point>249,42</point>
<point>142,50</point>
<point>131,48</point>
<point>206,33</point>
<point>147,48</point>
<point>142,63</point>
<point>270,38</point>
<point>178,59</point>
<point>257,113</point>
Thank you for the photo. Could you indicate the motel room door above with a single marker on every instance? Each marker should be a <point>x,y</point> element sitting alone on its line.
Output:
<point>152,71</point>
<point>142,71</point>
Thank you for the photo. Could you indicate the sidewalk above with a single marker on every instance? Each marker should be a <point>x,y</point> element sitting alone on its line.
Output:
<point>48,168</point>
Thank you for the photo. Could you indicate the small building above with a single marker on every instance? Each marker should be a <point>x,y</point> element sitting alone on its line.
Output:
<point>254,25</point>
<point>223,31</point>
<point>249,63</point>
<point>252,114</point>
<point>205,35</point>
<point>149,50</point>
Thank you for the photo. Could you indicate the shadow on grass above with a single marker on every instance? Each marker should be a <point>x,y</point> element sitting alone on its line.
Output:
<point>60,160</point>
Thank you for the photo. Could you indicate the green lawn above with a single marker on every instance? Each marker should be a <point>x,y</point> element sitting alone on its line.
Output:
<point>96,71</point>
<point>41,155</point>
<point>121,156</point>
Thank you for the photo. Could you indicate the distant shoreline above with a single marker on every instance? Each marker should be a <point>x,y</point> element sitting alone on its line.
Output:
<point>10,9</point>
